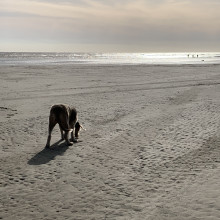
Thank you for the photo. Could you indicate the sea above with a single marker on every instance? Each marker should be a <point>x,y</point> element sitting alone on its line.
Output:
<point>41,58</point>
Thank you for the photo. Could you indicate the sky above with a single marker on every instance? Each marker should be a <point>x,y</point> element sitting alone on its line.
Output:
<point>110,25</point>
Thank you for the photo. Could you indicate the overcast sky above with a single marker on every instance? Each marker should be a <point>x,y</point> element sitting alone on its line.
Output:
<point>110,25</point>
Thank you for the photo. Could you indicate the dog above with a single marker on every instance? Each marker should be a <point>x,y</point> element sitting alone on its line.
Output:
<point>66,117</point>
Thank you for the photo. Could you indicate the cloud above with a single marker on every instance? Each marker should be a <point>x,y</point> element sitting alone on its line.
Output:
<point>123,21</point>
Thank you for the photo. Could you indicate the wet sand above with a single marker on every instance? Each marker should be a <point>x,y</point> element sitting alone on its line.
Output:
<point>151,149</point>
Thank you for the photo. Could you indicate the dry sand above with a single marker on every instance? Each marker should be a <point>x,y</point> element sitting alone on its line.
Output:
<point>151,150</point>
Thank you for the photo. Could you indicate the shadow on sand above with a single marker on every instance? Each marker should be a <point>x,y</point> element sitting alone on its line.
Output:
<point>48,154</point>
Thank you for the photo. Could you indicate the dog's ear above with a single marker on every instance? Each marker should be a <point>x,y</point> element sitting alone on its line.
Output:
<point>82,127</point>
<point>79,126</point>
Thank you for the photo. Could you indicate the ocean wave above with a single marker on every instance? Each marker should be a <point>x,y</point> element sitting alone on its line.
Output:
<point>107,58</point>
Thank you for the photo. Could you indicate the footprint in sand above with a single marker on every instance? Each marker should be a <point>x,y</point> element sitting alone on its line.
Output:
<point>7,112</point>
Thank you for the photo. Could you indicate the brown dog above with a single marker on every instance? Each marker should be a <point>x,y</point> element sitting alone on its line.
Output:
<point>66,117</point>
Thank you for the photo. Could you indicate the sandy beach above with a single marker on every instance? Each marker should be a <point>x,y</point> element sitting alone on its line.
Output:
<point>151,149</point>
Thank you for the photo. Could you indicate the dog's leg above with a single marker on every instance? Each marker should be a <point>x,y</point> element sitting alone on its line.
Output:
<point>64,123</point>
<point>72,137</point>
<point>61,131</point>
<point>66,137</point>
<point>52,123</point>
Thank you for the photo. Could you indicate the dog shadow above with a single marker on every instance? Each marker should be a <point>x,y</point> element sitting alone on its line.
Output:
<point>48,154</point>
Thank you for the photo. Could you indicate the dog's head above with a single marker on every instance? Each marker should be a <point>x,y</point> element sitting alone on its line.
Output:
<point>78,126</point>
